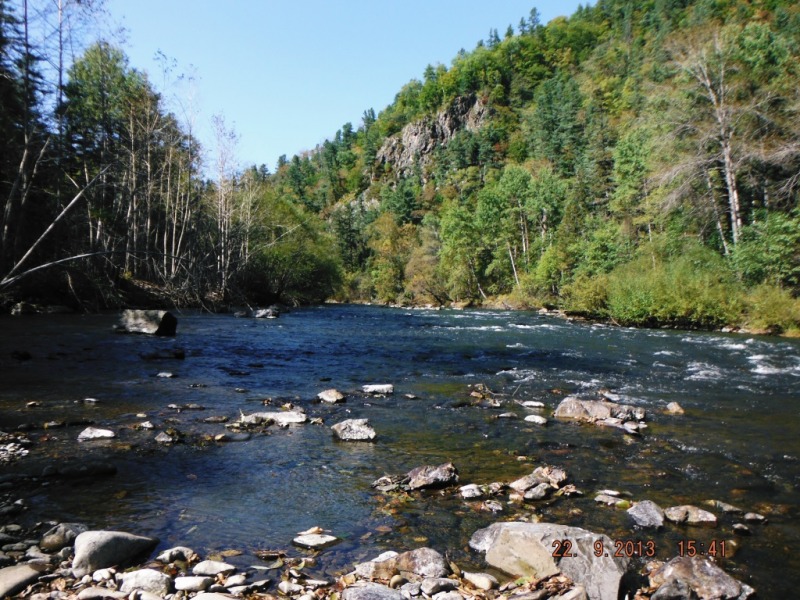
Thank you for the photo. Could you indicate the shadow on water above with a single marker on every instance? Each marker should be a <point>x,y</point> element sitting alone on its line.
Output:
<point>737,443</point>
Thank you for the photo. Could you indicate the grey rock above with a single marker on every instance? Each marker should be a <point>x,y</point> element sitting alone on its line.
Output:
<point>647,514</point>
<point>280,418</point>
<point>536,420</point>
<point>432,476</point>
<point>100,593</point>
<point>526,550</point>
<point>99,549</point>
<point>164,438</point>
<point>576,593</point>
<point>725,507</point>
<point>591,411</point>
<point>411,589</point>
<point>193,583</point>
<point>152,322</point>
<point>176,553</point>
<point>94,433</point>
<point>17,578</point>
<point>482,581</point>
<point>424,562</point>
<point>450,595</point>
<point>212,596</point>
<point>60,536</point>
<point>315,541</point>
<point>234,580</point>
<point>212,568</point>
<point>696,577</point>
<point>147,580</point>
<point>538,492</point>
<point>434,585</point>
<point>470,491</point>
<point>370,591</point>
<point>690,515</point>
<point>354,430</point>
<point>381,567</point>
<point>331,396</point>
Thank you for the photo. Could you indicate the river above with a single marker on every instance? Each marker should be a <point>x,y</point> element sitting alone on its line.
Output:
<point>739,441</point>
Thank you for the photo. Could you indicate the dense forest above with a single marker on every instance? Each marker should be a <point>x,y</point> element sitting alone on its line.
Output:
<point>637,162</point>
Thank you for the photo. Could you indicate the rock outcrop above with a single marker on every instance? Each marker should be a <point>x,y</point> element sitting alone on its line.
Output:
<point>153,322</point>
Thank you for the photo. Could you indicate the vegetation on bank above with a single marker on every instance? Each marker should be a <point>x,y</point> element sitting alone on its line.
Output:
<point>637,162</point>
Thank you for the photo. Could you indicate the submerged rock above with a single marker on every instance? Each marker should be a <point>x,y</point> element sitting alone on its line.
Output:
<point>354,430</point>
<point>696,577</point>
<point>152,322</point>
<point>315,541</point>
<point>527,550</point>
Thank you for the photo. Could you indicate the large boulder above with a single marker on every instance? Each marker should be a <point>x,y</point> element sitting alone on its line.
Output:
<point>591,411</point>
<point>528,549</point>
<point>685,578</point>
<point>152,322</point>
<point>16,578</point>
<point>432,476</point>
<point>419,563</point>
<point>354,430</point>
<point>100,549</point>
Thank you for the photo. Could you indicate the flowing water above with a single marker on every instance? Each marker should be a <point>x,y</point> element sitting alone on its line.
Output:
<point>738,441</point>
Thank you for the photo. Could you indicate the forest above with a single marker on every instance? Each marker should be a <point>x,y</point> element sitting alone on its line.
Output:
<point>636,162</point>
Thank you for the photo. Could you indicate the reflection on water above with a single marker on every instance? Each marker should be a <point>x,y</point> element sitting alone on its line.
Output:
<point>738,441</point>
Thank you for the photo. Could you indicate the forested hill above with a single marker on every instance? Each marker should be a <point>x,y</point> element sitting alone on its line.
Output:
<point>637,161</point>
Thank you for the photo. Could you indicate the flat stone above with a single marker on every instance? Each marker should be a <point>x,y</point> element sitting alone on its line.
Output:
<point>449,595</point>
<point>100,593</point>
<point>17,578</point>
<point>315,541</point>
<point>371,591</point>
<point>281,418</point>
<point>100,549</point>
<point>147,580</point>
<point>212,568</point>
<point>536,420</point>
<point>647,514</point>
<point>690,515</point>
<point>696,577</point>
<point>194,583</point>
<point>482,581</point>
<point>331,396</point>
<point>752,517</point>
<point>93,433</point>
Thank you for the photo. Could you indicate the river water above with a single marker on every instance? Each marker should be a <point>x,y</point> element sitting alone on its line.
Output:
<point>738,442</point>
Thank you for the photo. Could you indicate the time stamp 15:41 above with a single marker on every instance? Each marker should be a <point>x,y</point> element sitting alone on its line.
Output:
<point>643,548</point>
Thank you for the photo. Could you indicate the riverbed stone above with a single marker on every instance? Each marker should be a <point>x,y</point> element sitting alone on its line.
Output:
<point>147,580</point>
<point>673,408</point>
<point>591,411</point>
<point>358,430</point>
<point>282,418</point>
<point>17,578</point>
<point>331,396</point>
<point>432,476</point>
<point>100,593</point>
<point>152,322</point>
<point>434,585</point>
<point>696,577</point>
<point>364,590</point>
<point>212,568</point>
<point>538,492</point>
<point>95,433</point>
<point>482,581</point>
<point>470,491</point>
<point>99,549</point>
<point>690,515</point>
<point>536,420</point>
<point>315,541</point>
<point>526,550</point>
<point>193,583</point>
<point>60,536</point>
<point>425,562</point>
<point>378,389</point>
<point>380,567</point>
<point>647,514</point>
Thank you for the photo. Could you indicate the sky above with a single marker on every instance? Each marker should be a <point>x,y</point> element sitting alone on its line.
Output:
<point>287,75</point>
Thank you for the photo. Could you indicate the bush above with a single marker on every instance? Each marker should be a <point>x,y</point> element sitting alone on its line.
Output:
<point>772,309</point>
<point>587,295</point>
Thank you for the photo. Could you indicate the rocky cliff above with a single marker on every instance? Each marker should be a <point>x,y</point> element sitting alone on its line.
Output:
<point>417,141</point>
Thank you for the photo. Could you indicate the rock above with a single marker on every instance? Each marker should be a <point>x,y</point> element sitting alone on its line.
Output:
<point>164,438</point>
<point>482,581</point>
<point>60,536</point>
<point>434,585</point>
<point>212,568</point>
<point>527,549</point>
<point>741,529</point>
<point>152,322</point>
<point>538,492</point>
<point>552,476</point>
<point>470,491</point>
<point>673,408</point>
<point>452,595</point>
<point>195,583</point>
<point>315,541</point>
<point>370,591</point>
<point>696,577</point>
<point>690,515</point>
<point>647,514</point>
<point>17,578</point>
<point>379,389</point>
<point>591,411</point>
<point>282,418</point>
<point>396,581</point>
<point>752,517</point>
<point>147,580</point>
<point>724,507</point>
<point>424,562</point>
<point>271,312</point>
<point>536,420</point>
<point>531,404</point>
<point>576,593</point>
<point>100,593</point>
<point>289,589</point>
<point>93,433</point>
<point>432,476</point>
<point>381,567</point>
<point>606,499</point>
<point>331,396</point>
<point>100,549</point>
<point>354,430</point>
<point>212,596</point>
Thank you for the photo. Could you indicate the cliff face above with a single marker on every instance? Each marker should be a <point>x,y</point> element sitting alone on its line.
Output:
<point>417,141</point>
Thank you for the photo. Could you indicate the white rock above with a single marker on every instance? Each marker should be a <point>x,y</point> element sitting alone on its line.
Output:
<point>354,430</point>
<point>314,541</point>
<point>103,575</point>
<point>93,433</point>
<point>100,549</point>
<point>176,553</point>
<point>536,420</point>
<point>212,568</point>
<point>473,490</point>
<point>331,396</point>
<point>288,588</point>
<point>482,581</point>
<point>195,583</point>
<point>147,580</point>
<point>378,389</point>
<point>532,404</point>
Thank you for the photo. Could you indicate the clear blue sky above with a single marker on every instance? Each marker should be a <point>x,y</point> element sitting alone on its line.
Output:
<point>287,74</point>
